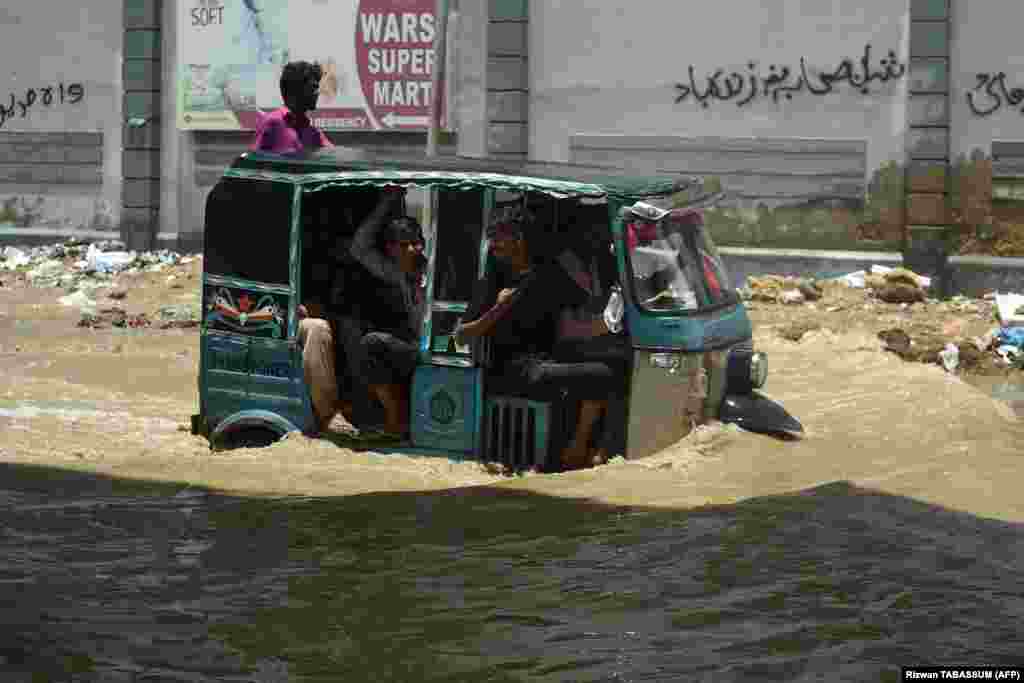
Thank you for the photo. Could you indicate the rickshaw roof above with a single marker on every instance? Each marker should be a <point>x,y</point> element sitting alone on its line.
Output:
<point>346,167</point>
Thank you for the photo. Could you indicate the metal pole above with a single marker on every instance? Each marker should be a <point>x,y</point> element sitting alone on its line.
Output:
<point>438,76</point>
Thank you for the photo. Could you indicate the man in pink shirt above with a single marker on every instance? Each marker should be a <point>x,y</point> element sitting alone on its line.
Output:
<point>288,130</point>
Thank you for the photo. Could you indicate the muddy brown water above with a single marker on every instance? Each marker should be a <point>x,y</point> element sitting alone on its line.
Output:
<point>891,534</point>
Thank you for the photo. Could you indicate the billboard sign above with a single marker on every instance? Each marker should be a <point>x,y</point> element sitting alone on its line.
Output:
<point>377,57</point>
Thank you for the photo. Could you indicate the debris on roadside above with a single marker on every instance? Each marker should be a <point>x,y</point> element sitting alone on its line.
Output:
<point>180,313</point>
<point>986,341</point>
<point>895,340</point>
<point>811,290</point>
<point>795,331</point>
<point>791,297</point>
<point>81,267</point>
<point>47,265</point>
<point>950,357</point>
<point>12,258</point>
<point>78,298</point>
<point>956,353</point>
<point>897,285</point>
<point>877,274</point>
<point>106,261</point>
<point>781,289</point>
<point>1009,309</point>
<point>179,325</point>
<point>922,346</point>
<point>899,293</point>
<point>1011,336</point>
<point>46,273</point>
<point>113,317</point>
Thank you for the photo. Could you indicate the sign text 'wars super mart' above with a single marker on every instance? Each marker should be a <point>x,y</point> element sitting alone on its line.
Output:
<point>377,57</point>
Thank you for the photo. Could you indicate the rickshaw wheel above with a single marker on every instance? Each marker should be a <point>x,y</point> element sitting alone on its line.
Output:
<point>250,437</point>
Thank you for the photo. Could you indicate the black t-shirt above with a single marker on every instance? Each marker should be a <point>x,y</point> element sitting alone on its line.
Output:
<point>530,325</point>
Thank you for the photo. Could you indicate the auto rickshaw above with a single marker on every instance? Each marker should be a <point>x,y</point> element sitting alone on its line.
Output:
<point>687,331</point>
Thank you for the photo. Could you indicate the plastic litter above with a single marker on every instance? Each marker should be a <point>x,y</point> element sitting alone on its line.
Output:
<point>110,245</point>
<point>985,342</point>
<point>1008,354</point>
<point>180,313</point>
<point>1006,306</point>
<point>854,279</point>
<point>1011,336</point>
<point>81,259</point>
<point>14,258</point>
<point>858,278</point>
<point>792,296</point>
<point>79,299</point>
<point>950,357</point>
<point>108,261</point>
<point>46,274</point>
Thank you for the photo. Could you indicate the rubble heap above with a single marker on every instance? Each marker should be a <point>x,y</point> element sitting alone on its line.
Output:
<point>901,291</point>
<point>80,267</point>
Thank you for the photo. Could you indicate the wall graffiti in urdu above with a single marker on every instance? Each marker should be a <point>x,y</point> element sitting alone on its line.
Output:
<point>993,93</point>
<point>73,93</point>
<point>779,82</point>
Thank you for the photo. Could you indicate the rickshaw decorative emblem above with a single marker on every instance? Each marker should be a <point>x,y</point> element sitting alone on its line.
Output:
<point>242,315</point>
<point>442,408</point>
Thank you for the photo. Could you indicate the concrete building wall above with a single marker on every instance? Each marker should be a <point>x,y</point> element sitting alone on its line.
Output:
<point>645,86</point>
<point>618,75</point>
<point>61,119</point>
<point>988,64</point>
<point>653,86</point>
<point>142,160</point>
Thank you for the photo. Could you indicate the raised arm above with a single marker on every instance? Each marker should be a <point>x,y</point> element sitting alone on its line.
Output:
<point>363,244</point>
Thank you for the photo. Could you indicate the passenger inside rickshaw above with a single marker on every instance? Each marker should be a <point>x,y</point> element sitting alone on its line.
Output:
<point>542,306</point>
<point>366,287</point>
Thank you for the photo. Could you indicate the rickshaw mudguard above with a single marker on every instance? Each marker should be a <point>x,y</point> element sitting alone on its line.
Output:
<point>252,418</point>
<point>756,412</point>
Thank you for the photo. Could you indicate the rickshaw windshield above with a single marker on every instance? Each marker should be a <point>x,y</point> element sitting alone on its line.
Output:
<point>675,266</point>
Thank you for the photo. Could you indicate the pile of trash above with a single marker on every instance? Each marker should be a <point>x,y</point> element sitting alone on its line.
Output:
<point>781,289</point>
<point>81,267</point>
<point>890,285</point>
<point>1000,347</point>
<point>185,316</point>
<point>113,316</point>
<point>53,265</point>
<point>923,336</point>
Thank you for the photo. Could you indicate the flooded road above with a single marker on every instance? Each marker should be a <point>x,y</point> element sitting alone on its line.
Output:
<point>108,580</point>
<point>892,534</point>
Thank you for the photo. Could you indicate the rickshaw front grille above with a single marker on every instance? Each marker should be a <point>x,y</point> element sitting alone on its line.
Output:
<point>516,432</point>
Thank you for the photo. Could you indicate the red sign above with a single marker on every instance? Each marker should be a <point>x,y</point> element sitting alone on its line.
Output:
<point>395,60</point>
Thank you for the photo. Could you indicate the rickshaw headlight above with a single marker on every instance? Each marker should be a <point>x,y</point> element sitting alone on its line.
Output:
<point>758,369</point>
<point>745,371</point>
<point>665,361</point>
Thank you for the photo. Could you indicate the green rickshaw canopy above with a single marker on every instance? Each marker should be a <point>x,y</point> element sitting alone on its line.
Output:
<point>345,167</point>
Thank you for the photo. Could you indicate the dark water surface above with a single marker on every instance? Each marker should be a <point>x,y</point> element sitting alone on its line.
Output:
<point>113,580</point>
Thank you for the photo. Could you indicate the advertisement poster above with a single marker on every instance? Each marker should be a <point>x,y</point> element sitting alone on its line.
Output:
<point>377,58</point>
